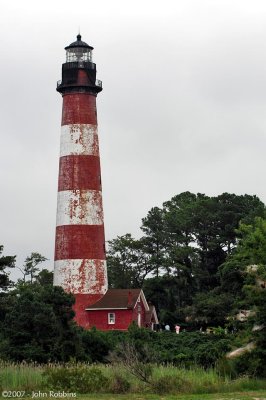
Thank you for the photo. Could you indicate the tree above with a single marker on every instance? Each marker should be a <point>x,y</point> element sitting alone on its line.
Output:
<point>38,324</point>
<point>154,241</point>
<point>166,295</point>
<point>184,245</point>
<point>248,262</point>
<point>127,262</point>
<point>5,262</point>
<point>251,250</point>
<point>211,308</point>
<point>45,277</point>
<point>193,234</point>
<point>180,235</point>
<point>216,222</point>
<point>31,266</point>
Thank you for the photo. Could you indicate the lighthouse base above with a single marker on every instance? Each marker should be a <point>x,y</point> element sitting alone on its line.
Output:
<point>83,301</point>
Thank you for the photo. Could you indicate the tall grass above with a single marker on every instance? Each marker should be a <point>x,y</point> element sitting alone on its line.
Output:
<point>169,379</point>
<point>21,376</point>
<point>199,380</point>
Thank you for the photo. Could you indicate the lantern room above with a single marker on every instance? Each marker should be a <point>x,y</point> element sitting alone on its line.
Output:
<point>78,51</point>
<point>79,71</point>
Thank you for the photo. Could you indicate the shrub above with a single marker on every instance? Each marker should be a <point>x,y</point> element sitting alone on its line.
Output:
<point>95,344</point>
<point>208,353</point>
<point>167,384</point>
<point>226,368</point>
<point>76,378</point>
<point>134,360</point>
<point>251,364</point>
<point>119,384</point>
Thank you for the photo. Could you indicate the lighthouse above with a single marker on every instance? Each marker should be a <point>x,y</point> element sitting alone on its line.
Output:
<point>80,259</point>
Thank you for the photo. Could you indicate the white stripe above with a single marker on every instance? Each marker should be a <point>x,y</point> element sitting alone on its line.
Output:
<point>81,276</point>
<point>79,207</point>
<point>79,139</point>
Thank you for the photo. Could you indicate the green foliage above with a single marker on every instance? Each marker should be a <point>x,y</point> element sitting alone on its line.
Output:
<point>154,241</point>
<point>31,266</point>
<point>76,378</point>
<point>167,384</point>
<point>127,263</point>
<point>192,263</point>
<point>119,384</point>
<point>185,243</point>
<point>31,377</point>
<point>95,344</point>
<point>37,324</point>
<point>188,348</point>
<point>251,364</point>
<point>5,263</point>
<point>134,360</point>
<point>207,354</point>
<point>212,308</point>
<point>248,261</point>
<point>45,277</point>
<point>21,376</point>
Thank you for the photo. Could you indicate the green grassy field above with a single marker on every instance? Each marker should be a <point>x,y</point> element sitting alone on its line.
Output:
<point>168,382</point>
<point>259,395</point>
<point>231,396</point>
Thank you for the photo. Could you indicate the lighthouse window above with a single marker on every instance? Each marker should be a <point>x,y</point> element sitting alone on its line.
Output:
<point>78,54</point>
<point>111,318</point>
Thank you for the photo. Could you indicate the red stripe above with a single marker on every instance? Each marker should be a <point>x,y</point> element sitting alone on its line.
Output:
<point>80,242</point>
<point>79,172</point>
<point>79,108</point>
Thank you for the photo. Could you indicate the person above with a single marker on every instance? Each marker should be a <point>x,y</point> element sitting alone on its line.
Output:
<point>167,327</point>
<point>177,329</point>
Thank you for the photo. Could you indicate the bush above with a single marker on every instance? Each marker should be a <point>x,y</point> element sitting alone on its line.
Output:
<point>76,378</point>
<point>119,384</point>
<point>134,360</point>
<point>167,384</point>
<point>251,364</point>
<point>226,368</point>
<point>189,348</point>
<point>95,344</point>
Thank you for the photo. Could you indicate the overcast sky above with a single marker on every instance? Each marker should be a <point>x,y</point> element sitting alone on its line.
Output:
<point>183,106</point>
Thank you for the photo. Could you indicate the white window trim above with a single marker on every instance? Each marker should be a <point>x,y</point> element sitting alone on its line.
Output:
<point>111,321</point>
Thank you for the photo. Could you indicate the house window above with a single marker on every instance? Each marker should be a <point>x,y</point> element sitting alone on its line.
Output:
<point>111,318</point>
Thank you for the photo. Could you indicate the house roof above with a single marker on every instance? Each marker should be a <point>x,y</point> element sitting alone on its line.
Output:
<point>119,299</point>
<point>151,315</point>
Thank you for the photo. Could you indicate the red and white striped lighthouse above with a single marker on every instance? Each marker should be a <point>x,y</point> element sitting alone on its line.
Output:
<point>80,261</point>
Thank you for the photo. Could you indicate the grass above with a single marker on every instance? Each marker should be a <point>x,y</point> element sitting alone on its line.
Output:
<point>20,376</point>
<point>185,384</point>
<point>197,380</point>
<point>261,395</point>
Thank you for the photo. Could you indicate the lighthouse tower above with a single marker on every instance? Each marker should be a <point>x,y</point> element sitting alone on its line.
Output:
<point>80,261</point>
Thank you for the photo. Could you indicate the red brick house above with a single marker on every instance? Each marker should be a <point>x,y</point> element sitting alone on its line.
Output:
<point>118,308</point>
